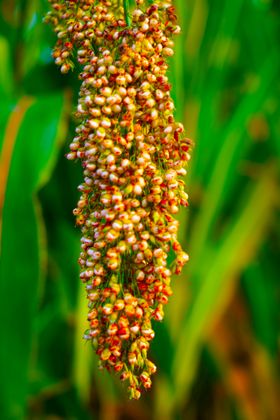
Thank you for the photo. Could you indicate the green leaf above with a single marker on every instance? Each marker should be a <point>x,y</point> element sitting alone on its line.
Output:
<point>22,266</point>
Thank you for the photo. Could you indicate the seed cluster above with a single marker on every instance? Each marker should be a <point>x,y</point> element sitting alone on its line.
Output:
<point>133,154</point>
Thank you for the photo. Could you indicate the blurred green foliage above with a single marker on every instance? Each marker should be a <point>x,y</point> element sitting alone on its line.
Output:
<point>218,349</point>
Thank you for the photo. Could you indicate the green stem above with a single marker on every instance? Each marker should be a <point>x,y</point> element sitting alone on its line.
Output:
<point>126,13</point>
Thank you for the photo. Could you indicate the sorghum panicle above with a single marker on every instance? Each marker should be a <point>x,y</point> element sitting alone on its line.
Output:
<point>133,154</point>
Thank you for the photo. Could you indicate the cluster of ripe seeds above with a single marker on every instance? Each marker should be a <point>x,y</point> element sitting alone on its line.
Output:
<point>133,154</point>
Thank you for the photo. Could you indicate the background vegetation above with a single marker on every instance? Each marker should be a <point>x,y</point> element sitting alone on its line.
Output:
<point>218,349</point>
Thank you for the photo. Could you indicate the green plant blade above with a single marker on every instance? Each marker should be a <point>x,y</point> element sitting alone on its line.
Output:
<point>22,265</point>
